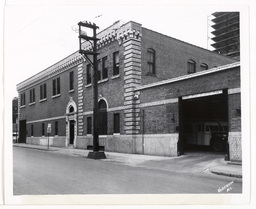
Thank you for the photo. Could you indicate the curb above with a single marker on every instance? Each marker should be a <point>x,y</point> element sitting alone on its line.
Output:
<point>226,174</point>
<point>37,148</point>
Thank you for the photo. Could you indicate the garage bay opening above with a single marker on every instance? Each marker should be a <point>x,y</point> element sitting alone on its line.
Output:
<point>204,122</point>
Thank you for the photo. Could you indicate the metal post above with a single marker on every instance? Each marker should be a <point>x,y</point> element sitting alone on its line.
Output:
<point>48,141</point>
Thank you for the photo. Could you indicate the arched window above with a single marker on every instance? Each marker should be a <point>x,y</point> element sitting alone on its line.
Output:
<point>102,105</point>
<point>191,66</point>
<point>204,66</point>
<point>102,117</point>
<point>71,109</point>
<point>151,61</point>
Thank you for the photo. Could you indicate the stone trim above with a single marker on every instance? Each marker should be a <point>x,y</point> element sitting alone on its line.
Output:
<point>80,90</point>
<point>46,119</point>
<point>132,78</point>
<point>111,109</point>
<point>235,146</point>
<point>234,91</point>
<point>162,102</point>
<point>202,94</point>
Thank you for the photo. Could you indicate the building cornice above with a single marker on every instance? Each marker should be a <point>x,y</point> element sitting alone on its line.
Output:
<point>61,66</point>
<point>189,76</point>
<point>116,32</point>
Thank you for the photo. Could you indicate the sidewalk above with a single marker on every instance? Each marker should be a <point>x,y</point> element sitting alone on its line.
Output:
<point>190,163</point>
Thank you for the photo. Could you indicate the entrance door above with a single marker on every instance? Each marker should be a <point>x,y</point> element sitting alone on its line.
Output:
<point>71,131</point>
<point>22,131</point>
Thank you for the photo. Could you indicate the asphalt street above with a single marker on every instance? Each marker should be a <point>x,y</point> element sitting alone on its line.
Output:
<point>39,172</point>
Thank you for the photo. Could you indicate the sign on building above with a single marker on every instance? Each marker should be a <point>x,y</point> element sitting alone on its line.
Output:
<point>49,128</point>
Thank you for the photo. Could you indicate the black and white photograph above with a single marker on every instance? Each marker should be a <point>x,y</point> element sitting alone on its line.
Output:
<point>126,102</point>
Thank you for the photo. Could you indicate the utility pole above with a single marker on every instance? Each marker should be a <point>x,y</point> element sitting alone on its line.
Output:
<point>96,154</point>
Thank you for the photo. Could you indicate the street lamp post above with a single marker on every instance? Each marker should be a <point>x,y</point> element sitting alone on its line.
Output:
<point>95,154</point>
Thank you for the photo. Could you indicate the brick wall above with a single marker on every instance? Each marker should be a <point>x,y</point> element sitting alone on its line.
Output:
<point>160,101</point>
<point>160,119</point>
<point>172,56</point>
<point>48,108</point>
<point>44,110</point>
<point>110,88</point>
<point>234,106</point>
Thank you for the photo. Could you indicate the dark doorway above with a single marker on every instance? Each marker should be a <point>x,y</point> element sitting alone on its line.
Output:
<point>22,131</point>
<point>102,118</point>
<point>203,122</point>
<point>71,131</point>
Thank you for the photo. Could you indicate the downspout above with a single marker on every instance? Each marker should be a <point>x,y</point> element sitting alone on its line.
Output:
<point>143,130</point>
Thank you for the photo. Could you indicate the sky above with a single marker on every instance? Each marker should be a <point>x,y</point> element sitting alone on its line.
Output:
<point>39,33</point>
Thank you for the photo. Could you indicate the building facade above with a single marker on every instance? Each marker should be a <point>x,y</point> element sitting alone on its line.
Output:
<point>143,78</point>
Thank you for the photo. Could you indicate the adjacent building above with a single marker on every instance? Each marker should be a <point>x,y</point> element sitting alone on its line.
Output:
<point>15,119</point>
<point>150,86</point>
<point>226,34</point>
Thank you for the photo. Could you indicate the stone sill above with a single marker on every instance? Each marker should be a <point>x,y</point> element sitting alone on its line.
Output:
<point>103,81</point>
<point>55,96</point>
<point>115,76</point>
<point>42,100</point>
<point>88,85</point>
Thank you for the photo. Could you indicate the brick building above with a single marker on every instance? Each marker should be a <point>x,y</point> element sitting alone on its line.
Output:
<point>147,81</point>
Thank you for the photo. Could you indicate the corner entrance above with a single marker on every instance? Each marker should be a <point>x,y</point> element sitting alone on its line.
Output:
<point>204,122</point>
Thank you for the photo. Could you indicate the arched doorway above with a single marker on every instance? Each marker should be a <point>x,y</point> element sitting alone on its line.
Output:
<point>71,123</point>
<point>102,117</point>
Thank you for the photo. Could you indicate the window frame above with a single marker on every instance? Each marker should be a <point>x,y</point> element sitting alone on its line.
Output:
<point>204,66</point>
<point>116,65</point>
<point>116,125</point>
<point>32,130</point>
<point>71,80</point>
<point>56,87</point>
<point>43,91</point>
<point>43,129</point>
<point>104,68</point>
<point>89,125</point>
<point>23,99</point>
<point>99,70</point>
<point>151,53</point>
<point>88,74</point>
<point>56,128</point>
<point>32,97</point>
<point>191,66</point>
